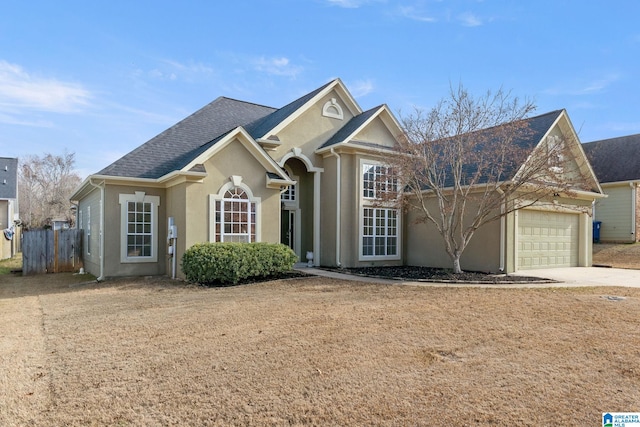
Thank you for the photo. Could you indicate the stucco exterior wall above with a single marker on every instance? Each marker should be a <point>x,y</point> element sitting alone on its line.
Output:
<point>89,213</point>
<point>377,133</point>
<point>637,208</point>
<point>113,239</point>
<point>328,202</point>
<point>425,246</point>
<point>311,129</point>
<point>615,212</point>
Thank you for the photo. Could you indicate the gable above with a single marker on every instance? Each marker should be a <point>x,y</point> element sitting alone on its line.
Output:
<point>376,132</point>
<point>315,125</point>
<point>572,164</point>
<point>239,137</point>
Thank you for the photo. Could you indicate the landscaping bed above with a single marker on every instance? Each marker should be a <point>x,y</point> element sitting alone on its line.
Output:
<point>428,274</point>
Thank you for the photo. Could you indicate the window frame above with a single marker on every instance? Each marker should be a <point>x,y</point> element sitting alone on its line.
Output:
<point>138,197</point>
<point>376,206</point>
<point>254,210</point>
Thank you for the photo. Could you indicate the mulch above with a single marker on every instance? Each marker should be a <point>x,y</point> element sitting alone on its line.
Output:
<point>429,274</point>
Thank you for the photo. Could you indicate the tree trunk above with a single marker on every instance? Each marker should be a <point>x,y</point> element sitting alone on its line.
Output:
<point>456,264</point>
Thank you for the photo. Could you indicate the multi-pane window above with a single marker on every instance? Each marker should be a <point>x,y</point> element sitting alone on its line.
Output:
<point>379,232</point>
<point>380,222</point>
<point>289,195</point>
<point>235,217</point>
<point>378,180</point>
<point>139,229</point>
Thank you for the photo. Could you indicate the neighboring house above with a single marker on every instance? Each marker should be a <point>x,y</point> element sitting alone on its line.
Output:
<point>616,162</point>
<point>9,240</point>
<point>302,175</point>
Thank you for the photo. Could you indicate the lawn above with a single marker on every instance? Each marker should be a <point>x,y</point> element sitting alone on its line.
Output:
<point>314,351</point>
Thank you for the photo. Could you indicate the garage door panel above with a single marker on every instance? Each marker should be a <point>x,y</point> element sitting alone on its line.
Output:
<point>547,239</point>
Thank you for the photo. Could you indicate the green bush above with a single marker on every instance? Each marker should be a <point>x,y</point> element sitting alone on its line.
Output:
<point>229,263</point>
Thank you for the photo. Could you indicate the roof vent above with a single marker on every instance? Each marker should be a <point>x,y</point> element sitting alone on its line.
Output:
<point>332,109</point>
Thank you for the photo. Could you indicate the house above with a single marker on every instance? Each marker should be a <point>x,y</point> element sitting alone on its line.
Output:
<point>9,241</point>
<point>616,162</point>
<point>302,175</point>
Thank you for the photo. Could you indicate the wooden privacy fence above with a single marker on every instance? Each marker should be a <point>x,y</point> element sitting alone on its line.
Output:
<point>49,251</point>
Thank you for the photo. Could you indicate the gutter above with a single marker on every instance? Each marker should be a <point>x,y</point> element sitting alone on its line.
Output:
<point>338,187</point>
<point>100,234</point>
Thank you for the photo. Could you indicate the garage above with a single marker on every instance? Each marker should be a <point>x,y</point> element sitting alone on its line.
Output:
<point>547,239</point>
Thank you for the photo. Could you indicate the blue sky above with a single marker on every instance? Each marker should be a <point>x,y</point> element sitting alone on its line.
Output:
<point>100,78</point>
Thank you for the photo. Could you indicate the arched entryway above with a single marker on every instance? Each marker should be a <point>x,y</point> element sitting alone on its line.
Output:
<point>297,209</point>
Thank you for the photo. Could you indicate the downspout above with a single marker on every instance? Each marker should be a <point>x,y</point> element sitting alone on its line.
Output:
<point>503,225</point>
<point>634,200</point>
<point>503,233</point>
<point>100,233</point>
<point>338,186</point>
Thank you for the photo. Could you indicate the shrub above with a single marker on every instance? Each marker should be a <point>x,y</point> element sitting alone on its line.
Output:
<point>229,263</point>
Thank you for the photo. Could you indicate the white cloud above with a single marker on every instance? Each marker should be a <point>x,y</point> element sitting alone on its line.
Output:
<point>361,88</point>
<point>351,4</point>
<point>20,90</point>
<point>277,66</point>
<point>468,19</point>
<point>411,12</point>
<point>585,87</point>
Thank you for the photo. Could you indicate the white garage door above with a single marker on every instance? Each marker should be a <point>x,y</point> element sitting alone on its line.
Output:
<point>547,239</point>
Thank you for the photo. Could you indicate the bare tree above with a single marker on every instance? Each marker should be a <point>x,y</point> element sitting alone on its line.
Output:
<point>45,185</point>
<point>471,160</point>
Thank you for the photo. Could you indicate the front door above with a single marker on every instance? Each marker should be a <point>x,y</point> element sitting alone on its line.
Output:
<point>287,228</point>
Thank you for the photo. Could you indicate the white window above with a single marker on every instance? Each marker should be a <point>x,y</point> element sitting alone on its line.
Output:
<point>379,223</point>
<point>88,234</point>
<point>235,215</point>
<point>377,181</point>
<point>139,227</point>
<point>555,153</point>
<point>379,232</point>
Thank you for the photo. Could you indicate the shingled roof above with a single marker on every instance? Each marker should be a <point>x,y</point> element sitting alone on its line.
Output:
<point>615,159</point>
<point>174,148</point>
<point>261,127</point>
<point>350,127</point>
<point>536,128</point>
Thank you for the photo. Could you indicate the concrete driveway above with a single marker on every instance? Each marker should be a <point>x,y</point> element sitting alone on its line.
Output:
<point>588,276</point>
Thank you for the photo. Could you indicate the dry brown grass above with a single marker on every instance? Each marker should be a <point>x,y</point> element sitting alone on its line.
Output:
<point>617,255</point>
<point>313,352</point>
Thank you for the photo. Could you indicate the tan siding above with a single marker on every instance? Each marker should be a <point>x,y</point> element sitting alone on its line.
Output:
<point>615,213</point>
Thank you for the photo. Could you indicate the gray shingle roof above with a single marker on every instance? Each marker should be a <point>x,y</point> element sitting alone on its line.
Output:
<point>262,126</point>
<point>537,127</point>
<point>615,159</point>
<point>8,178</point>
<point>174,148</point>
<point>350,127</point>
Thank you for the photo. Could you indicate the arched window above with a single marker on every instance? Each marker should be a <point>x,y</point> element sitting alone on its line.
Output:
<point>235,217</point>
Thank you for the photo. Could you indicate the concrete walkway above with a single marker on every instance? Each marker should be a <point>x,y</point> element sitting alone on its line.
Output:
<point>566,277</point>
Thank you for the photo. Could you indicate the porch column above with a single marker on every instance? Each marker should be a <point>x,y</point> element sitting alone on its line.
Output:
<point>316,218</point>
